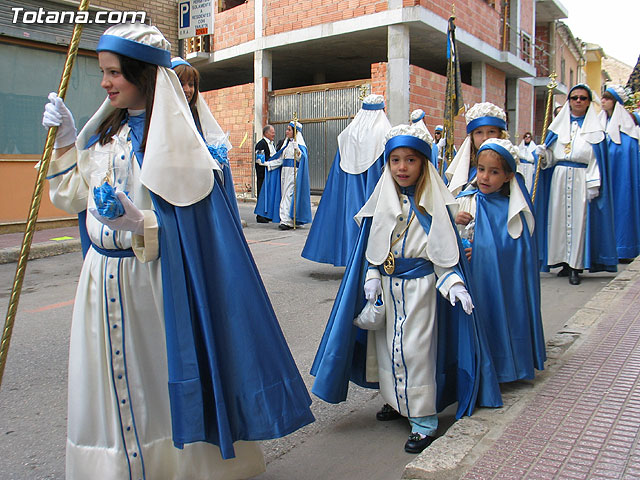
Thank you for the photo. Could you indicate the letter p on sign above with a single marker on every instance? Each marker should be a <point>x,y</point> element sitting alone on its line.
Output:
<point>185,17</point>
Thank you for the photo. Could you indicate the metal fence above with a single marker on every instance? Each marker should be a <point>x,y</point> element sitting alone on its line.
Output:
<point>323,113</point>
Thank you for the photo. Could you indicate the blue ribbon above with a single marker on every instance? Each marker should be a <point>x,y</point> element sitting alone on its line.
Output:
<point>133,49</point>
<point>486,121</point>
<point>503,152</point>
<point>408,141</point>
<point>373,106</point>
<point>408,268</point>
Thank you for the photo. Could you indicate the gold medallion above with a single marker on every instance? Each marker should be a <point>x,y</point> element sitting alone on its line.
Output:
<point>389,264</point>
<point>567,149</point>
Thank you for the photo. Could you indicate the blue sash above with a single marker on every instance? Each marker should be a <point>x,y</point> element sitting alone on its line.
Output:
<point>120,253</point>
<point>408,268</point>
<point>567,163</point>
<point>288,162</point>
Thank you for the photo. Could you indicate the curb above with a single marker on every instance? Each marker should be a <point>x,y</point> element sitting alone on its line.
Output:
<point>451,455</point>
<point>40,250</point>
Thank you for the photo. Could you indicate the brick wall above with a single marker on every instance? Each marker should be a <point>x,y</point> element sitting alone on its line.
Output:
<point>287,15</point>
<point>162,13</point>
<point>524,109</point>
<point>495,86</point>
<point>379,79</point>
<point>234,26</point>
<point>427,91</point>
<point>233,109</point>
<point>473,16</point>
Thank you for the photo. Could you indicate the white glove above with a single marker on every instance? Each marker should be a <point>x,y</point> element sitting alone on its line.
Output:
<point>541,152</point>
<point>56,114</point>
<point>372,288</point>
<point>459,292</point>
<point>592,192</point>
<point>132,220</point>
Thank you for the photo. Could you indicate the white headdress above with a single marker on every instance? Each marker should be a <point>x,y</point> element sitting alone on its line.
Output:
<point>362,142</point>
<point>417,120</point>
<point>177,166</point>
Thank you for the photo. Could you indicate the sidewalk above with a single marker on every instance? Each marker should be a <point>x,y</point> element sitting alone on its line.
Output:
<point>45,243</point>
<point>579,419</point>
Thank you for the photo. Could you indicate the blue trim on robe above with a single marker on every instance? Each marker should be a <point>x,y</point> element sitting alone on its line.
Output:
<point>268,204</point>
<point>464,372</point>
<point>600,253</point>
<point>231,374</point>
<point>334,232</point>
<point>506,279</point>
<point>624,171</point>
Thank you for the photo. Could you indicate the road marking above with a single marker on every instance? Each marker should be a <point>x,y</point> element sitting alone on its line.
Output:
<point>53,306</point>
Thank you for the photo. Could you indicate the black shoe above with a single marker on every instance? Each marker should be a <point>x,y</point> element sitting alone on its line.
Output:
<point>386,413</point>
<point>284,226</point>
<point>566,270</point>
<point>261,219</point>
<point>574,277</point>
<point>415,444</point>
<point>625,261</point>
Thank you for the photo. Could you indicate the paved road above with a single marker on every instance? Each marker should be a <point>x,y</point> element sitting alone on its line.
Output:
<point>344,442</point>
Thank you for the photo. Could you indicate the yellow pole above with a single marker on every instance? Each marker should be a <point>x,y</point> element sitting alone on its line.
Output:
<point>547,119</point>
<point>37,196</point>
<point>296,155</point>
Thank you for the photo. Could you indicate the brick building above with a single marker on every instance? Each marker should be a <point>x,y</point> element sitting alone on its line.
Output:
<point>267,59</point>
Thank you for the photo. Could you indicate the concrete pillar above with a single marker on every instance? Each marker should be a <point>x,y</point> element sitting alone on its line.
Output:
<point>512,110</point>
<point>398,73</point>
<point>262,72</point>
<point>479,78</point>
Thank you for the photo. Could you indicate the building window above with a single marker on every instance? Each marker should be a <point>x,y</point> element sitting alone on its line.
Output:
<point>21,131</point>
<point>227,4</point>
<point>525,46</point>
<point>571,77</point>
<point>563,78</point>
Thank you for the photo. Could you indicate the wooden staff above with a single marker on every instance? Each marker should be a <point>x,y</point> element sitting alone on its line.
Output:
<point>296,156</point>
<point>37,196</point>
<point>547,118</point>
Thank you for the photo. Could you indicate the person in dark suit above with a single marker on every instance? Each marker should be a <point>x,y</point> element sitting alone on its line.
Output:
<point>268,148</point>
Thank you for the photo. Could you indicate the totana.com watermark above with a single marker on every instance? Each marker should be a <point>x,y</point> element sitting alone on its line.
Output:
<point>20,15</point>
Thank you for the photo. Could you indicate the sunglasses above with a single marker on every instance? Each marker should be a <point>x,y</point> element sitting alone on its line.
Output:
<point>579,97</point>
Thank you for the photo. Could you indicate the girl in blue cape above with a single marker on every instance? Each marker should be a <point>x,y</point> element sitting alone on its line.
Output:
<point>504,262</point>
<point>217,141</point>
<point>403,278</point>
<point>624,169</point>
<point>355,171</point>
<point>276,198</point>
<point>484,120</point>
<point>173,373</point>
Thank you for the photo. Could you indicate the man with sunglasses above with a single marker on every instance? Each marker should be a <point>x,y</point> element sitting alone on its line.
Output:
<point>574,216</point>
<point>527,163</point>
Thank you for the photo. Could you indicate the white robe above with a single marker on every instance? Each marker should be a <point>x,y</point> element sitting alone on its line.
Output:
<point>526,167</point>
<point>568,199</point>
<point>405,349</point>
<point>287,181</point>
<point>119,420</point>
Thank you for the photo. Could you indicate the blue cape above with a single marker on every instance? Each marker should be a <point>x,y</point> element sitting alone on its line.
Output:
<point>334,232</point>
<point>268,204</point>
<point>506,279</point>
<point>231,374</point>
<point>464,371</point>
<point>600,245</point>
<point>624,171</point>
